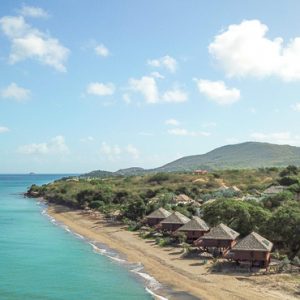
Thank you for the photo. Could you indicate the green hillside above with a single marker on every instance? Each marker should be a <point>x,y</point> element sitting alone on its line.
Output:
<point>247,155</point>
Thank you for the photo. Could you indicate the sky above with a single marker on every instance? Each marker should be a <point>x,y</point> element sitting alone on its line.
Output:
<point>87,85</point>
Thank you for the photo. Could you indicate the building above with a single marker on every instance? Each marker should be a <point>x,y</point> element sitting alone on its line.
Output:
<point>174,221</point>
<point>221,237</point>
<point>157,216</point>
<point>254,249</point>
<point>200,172</point>
<point>274,190</point>
<point>194,229</point>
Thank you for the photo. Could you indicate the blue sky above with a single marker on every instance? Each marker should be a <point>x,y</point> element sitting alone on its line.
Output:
<point>90,85</point>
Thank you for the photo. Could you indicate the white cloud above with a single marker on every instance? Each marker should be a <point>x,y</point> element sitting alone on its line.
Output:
<point>185,132</point>
<point>33,12</point>
<point>15,92</point>
<point>114,152</point>
<point>285,138</point>
<point>101,50</point>
<point>218,92</point>
<point>126,98</point>
<point>172,122</point>
<point>296,107</point>
<point>157,75</point>
<point>56,145</point>
<point>3,129</point>
<point>30,43</point>
<point>133,151</point>
<point>100,89</point>
<point>244,50</point>
<point>175,95</point>
<point>167,62</point>
<point>147,87</point>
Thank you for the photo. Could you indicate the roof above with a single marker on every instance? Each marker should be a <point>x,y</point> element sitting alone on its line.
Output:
<point>221,232</point>
<point>159,213</point>
<point>274,189</point>
<point>175,218</point>
<point>253,242</point>
<point>195,224</point>
<point>182,198</point>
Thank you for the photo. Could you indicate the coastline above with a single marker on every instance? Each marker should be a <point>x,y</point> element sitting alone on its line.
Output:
<point>180,278</point>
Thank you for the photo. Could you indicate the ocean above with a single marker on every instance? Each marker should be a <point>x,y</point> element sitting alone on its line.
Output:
<point>41,259</point>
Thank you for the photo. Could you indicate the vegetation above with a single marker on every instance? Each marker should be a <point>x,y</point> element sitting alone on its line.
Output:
<point>234,197</point>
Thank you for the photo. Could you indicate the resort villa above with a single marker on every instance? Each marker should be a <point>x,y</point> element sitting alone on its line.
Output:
<point>194,229</point>
<point>174,221</point>
<point>221,237</point>
<point>157,216</point>
<point>254,249</point>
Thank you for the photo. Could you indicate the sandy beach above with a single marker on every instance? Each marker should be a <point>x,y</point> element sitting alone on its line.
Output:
<point>168,267</point>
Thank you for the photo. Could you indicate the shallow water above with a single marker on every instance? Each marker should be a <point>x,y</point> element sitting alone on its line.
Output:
<point>40,260</point>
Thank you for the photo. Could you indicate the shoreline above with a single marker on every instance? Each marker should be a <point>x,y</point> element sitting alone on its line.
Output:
<point>180,278</point>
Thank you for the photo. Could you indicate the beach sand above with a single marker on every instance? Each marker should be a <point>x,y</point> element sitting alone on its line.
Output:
<point>184,276</point>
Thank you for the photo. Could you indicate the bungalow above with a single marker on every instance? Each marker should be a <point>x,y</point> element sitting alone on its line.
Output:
<point>194,229</point>
<point>200,172</point>
<point>174,221</point>
<point>221,237</point>
<point>157,216</point>
<point>274,190</point>
<point>254,249</point>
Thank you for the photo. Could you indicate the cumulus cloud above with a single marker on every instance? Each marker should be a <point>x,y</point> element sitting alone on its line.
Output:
<point>175,95</point>
<point>15,92</point>
<point>185,132</point>
<point>30,43</point>
<point>167,62</point>
<point>100,89</point>
<point>101,50</point>
<point>3,129</point>
<point>56,145</point>
<point>284,138</point>
<point>147,86</point>
<point>132,151</point>
<point>218,92</point>
<point>245,50</point>
<point>296,107</point>
<point>114,152</point>
<point>172,122</point>
<point>33,12</point>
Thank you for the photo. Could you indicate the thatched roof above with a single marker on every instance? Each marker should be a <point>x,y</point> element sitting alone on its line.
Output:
<point>175,218</point>
<point>274,189</point>
<point>221,232</point>
<point>160,213</point>
<point>182,198</point>
<point>196,224</point>
<point>253,242</point>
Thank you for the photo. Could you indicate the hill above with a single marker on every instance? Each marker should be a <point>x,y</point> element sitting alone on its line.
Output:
<point>248,155</point>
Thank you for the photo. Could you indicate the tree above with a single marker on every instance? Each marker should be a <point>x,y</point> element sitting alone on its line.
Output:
<point>284,226</point>
<point>135,208</point>
<point>241,216</point>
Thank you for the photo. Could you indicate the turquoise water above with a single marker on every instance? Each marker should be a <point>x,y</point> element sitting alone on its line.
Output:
<point>40,260</point>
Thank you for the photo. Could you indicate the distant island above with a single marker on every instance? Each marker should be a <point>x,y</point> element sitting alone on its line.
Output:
<point>248,155</point>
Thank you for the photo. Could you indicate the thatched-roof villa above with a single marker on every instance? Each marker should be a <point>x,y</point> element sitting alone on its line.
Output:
<point>221,237</point>
<point>253,248</point>
<point>174,221</point>
<point>194,229</point>
<point>274,190</point>
<point>157,216</point>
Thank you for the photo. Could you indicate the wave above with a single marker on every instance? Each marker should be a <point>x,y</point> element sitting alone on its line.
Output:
<point>151,284</point>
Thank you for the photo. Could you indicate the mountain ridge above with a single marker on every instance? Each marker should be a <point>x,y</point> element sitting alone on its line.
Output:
<point>247,155</point>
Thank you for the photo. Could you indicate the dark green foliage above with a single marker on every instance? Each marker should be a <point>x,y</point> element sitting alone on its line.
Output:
<point>288,180</point>
<point>241,216</point>
<point>159,178</point>
<point>273,202</point>
<point>284,227</point>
